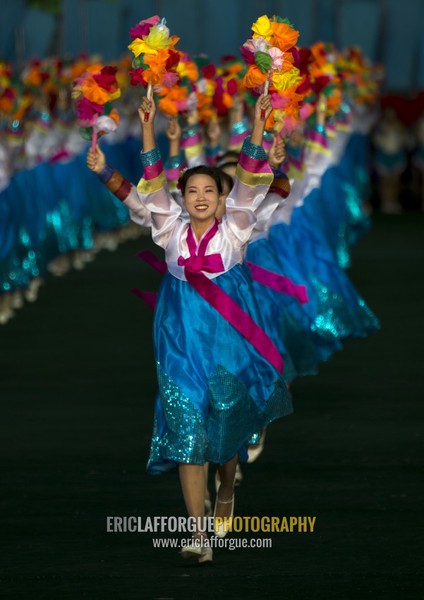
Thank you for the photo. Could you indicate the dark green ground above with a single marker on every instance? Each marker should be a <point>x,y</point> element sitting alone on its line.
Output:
<point>77,394</point>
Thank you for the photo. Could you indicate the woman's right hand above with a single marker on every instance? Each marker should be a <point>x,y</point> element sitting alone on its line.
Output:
<point>263,108</point>
<point>147,111</point>
<point>96,161</point>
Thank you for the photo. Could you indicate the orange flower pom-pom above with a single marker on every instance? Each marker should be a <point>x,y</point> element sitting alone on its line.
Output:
<point>284,37</point>
<point>168,107</point>
<point>93,92</point>
<point>254,77</point>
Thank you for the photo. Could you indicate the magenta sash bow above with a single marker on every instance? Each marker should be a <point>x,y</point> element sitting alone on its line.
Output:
<point>277,282</point>
<point>198,261</point>
<point>220,300</point>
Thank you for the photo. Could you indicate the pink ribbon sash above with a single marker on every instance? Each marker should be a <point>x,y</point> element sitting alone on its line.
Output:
<point>151,259</point>
<point>277,282</point>
<point>220,300</point>
<point>149,298</point>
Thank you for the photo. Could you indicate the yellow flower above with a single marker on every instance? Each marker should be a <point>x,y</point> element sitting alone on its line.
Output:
<point>282,81</point>
<point>138,47</point>
<point>262,28</point>
<point>182,69</point>
<point>329,69</point>
<point>210,88</point>
<point>158,37</point>
<point>115,95</point>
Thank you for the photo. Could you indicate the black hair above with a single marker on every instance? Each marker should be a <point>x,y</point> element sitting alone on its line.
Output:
<point>226,179</point>
<point>228,156</point>
<point>212,172</point>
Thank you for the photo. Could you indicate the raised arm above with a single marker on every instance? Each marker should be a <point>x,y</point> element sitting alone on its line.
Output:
<point>213,147</point>
<point>275,203</point>
<point>116,183</point>
<point>262,106</point>
<point>175,162</point>
<point>152,188</point>
<point>253,177</point>
<point>192,141</point>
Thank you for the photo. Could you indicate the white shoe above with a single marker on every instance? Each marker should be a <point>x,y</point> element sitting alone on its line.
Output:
<point>207,555</point>
<point>196,550</point>
<point>253,452</point>
<point>221,530</point>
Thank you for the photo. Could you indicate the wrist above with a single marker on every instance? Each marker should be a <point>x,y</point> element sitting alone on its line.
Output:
<point>105,174</point>
<point>257,134</point>
<point>147,127</point>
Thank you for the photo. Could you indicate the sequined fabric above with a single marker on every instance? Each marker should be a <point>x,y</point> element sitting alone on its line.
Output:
<point>150,157</point>
<point>230,419</point>
<point>212,378</point>
<point>253,150</point>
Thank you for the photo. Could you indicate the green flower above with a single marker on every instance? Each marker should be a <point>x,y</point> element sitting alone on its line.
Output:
<point>263,61</point>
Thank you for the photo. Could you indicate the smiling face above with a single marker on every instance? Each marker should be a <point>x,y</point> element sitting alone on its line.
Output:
<point>201,197</point>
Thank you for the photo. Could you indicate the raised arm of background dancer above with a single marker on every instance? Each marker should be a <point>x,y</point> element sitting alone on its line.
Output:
<point>173,133</point>
<point>239,126</point>
<point>175,162</point>
<point>279,190</point>
<point>192,141</point>
<point>276,157</point>
<point>213,147</point>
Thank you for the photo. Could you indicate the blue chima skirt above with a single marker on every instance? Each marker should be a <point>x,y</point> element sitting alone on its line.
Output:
<point>215,389</point>
<point>340,312</point>
<point>290,334</point>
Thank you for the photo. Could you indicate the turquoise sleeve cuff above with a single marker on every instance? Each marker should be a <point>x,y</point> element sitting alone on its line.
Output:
<point>150,157</point>
<point>253,150</point>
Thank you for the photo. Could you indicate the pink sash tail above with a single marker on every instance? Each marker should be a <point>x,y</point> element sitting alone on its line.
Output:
<point>151,259</point>
<point>149,298</point>
<point>277,282</point>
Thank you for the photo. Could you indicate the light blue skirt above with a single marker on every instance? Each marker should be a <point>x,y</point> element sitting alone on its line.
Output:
<point>215,390</point>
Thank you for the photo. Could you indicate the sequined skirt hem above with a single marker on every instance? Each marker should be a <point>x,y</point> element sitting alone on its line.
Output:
<point>185,434</point>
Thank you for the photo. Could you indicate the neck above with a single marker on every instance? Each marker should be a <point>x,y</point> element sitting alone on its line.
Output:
<point>200,227</point>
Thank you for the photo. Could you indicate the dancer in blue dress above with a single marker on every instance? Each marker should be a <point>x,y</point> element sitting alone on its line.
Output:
<point>219,374</point>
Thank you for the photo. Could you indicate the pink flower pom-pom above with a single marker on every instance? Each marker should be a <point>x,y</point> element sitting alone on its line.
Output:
<point>305,111</point>
<point>143,27</point>
<point>88,111</point>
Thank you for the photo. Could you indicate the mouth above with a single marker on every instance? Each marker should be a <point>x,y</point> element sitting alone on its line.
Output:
<point>201,207</point>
